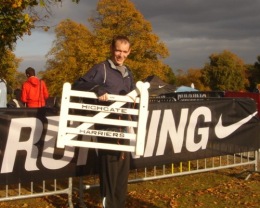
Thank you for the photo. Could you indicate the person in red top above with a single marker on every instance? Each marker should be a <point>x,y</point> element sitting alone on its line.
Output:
<point>34,90</point>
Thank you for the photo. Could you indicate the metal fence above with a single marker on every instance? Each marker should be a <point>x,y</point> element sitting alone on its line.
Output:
<point>56,187</point>
<point>248,159</point>
<point>37,189</point>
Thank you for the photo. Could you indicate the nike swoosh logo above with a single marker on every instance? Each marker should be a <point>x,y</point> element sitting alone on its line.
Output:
<point>224,131</point>
<point>161,86</point>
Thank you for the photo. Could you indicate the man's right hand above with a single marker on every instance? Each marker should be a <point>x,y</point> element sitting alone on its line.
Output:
<point>103,97</point>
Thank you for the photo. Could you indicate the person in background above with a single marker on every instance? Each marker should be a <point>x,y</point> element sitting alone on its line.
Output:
<point>258,88</point>
<point>34,90</point>
<point>111,77</point>
<point>3,93</point>
<point>16,102</point>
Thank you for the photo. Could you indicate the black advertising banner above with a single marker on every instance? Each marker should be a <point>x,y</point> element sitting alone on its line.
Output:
<point>176,132</point>
<point>183,131</point>
<point>192,96</point>
<point>254,95</point>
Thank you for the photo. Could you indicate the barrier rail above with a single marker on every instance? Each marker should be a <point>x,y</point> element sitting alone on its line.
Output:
<point>184,168</point>
<point>37,189</point>
<point>46,188</point>
<point>40,152</point>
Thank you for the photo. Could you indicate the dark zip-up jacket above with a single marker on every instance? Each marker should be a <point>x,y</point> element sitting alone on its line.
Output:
<point>105,78</point>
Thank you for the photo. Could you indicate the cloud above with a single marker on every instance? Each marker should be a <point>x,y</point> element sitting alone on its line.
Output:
<point>195,52</point>
<point>79,12</point>
<point>192,30</point>
<point>37,62</point>
<point>32,49</point>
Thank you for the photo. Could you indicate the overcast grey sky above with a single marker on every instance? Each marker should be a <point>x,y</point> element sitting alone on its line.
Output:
<point>191,29</point>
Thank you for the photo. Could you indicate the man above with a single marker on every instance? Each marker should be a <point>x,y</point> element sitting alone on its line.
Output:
<point>111,77</point>
<point>34,90</point>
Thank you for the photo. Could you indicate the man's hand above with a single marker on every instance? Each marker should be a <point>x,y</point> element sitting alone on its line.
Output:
<point>103,97</point>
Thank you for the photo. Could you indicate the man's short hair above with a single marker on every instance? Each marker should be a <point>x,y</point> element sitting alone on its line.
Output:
<point>122,38</point>
<point>30,71</point>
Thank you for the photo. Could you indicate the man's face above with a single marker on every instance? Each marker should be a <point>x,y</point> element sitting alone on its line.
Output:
<point>120,52</point>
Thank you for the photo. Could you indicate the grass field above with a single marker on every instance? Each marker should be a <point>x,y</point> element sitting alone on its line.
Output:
<point>225,188</point>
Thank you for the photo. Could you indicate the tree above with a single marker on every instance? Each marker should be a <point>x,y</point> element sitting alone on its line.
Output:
<point>20,78</point>
<point>8,68</point>
<point>226,71</point>
<point>254,74</point>
<point>18,17</point>
<point>14,21</point>
<point>191,76</point>
<point>71,56</point>
<point>76,48</point>
<point>121,17</point>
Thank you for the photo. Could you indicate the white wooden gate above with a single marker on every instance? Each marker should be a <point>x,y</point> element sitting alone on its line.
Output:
<point>96,114</point>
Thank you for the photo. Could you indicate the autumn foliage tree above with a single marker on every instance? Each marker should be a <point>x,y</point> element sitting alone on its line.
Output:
<point>226,71</point>
<point>121,17</point>
<point>254,74</point>
<point>8,68</point>
<point>15,22</point>
<point>191,76</point>
<point>18,17</point>
<point>76,48</point>
<point>71,56</point>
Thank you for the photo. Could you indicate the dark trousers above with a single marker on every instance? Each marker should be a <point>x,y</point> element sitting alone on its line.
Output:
<point>113,175</point>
